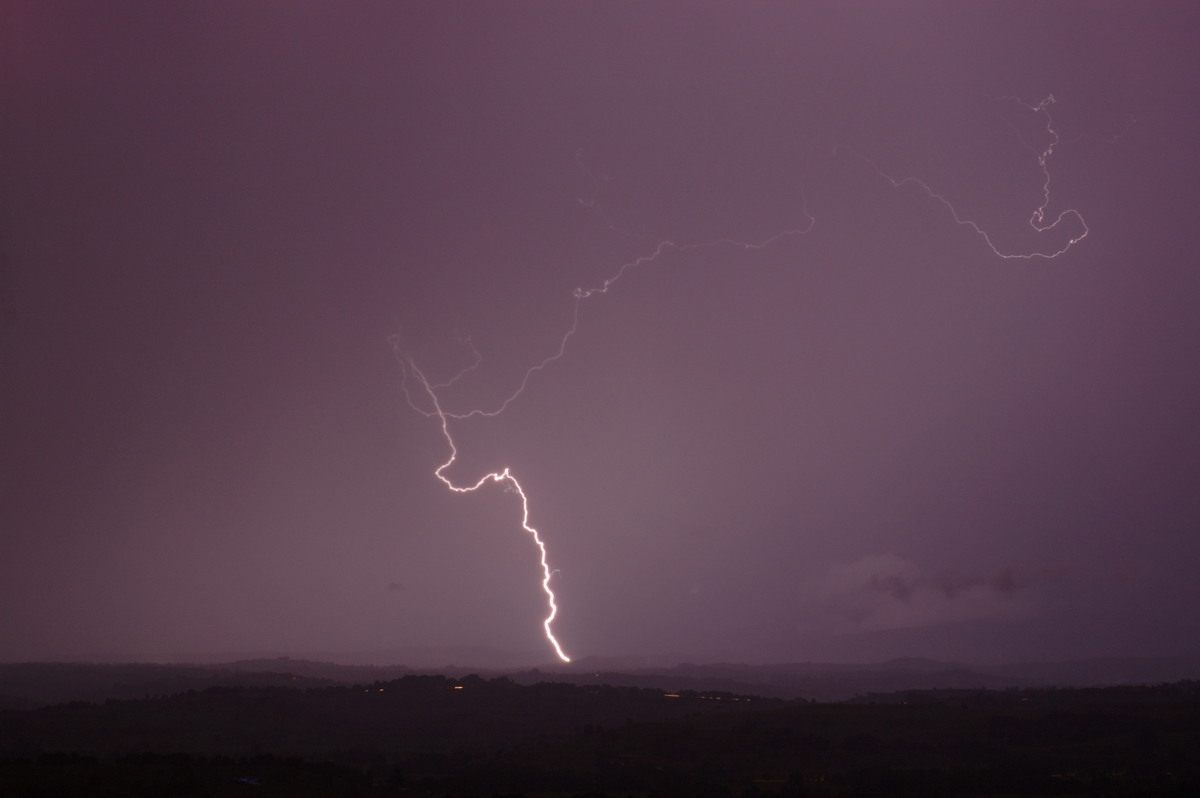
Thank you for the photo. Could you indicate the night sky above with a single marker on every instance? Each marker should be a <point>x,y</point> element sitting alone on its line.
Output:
<point>871,437</point>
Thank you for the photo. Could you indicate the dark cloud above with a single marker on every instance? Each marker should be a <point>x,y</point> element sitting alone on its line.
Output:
<point>888,591</point>
<point>950,584</point>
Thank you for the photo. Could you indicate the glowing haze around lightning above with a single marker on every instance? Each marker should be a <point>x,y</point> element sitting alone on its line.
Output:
<point>432,406</point>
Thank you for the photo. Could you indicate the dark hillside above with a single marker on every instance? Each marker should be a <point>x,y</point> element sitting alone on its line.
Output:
<point>427,713</point>
<point>474,737</point>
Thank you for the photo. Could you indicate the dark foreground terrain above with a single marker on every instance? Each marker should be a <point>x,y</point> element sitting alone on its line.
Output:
<point>434,735</point>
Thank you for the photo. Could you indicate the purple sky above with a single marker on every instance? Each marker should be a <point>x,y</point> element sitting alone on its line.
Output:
<point>873,439</point>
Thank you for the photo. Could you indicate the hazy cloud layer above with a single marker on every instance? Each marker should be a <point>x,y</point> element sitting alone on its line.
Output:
<point>872,436</point>
<point>889,592</point>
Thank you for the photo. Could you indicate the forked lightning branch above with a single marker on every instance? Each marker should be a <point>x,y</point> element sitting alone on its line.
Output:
<point>422,395</point>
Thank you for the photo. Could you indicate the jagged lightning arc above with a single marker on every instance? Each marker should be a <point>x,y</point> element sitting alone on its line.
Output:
<point>433,408</point>
<point>1037,219</point>
<point>505,476</point>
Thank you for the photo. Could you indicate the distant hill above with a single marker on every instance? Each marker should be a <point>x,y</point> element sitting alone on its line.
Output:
<point>840,682</point>
<point>31,685</point>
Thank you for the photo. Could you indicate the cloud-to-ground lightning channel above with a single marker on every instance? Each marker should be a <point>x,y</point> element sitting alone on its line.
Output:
<point>431,405</point>
<point>434,408</point>
<point>505,476</point>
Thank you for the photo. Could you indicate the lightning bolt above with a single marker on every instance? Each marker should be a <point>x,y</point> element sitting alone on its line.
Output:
<point>505,476</point>
<point>433,408</point>
<point>1037,219</point>
<point>415,384</point>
